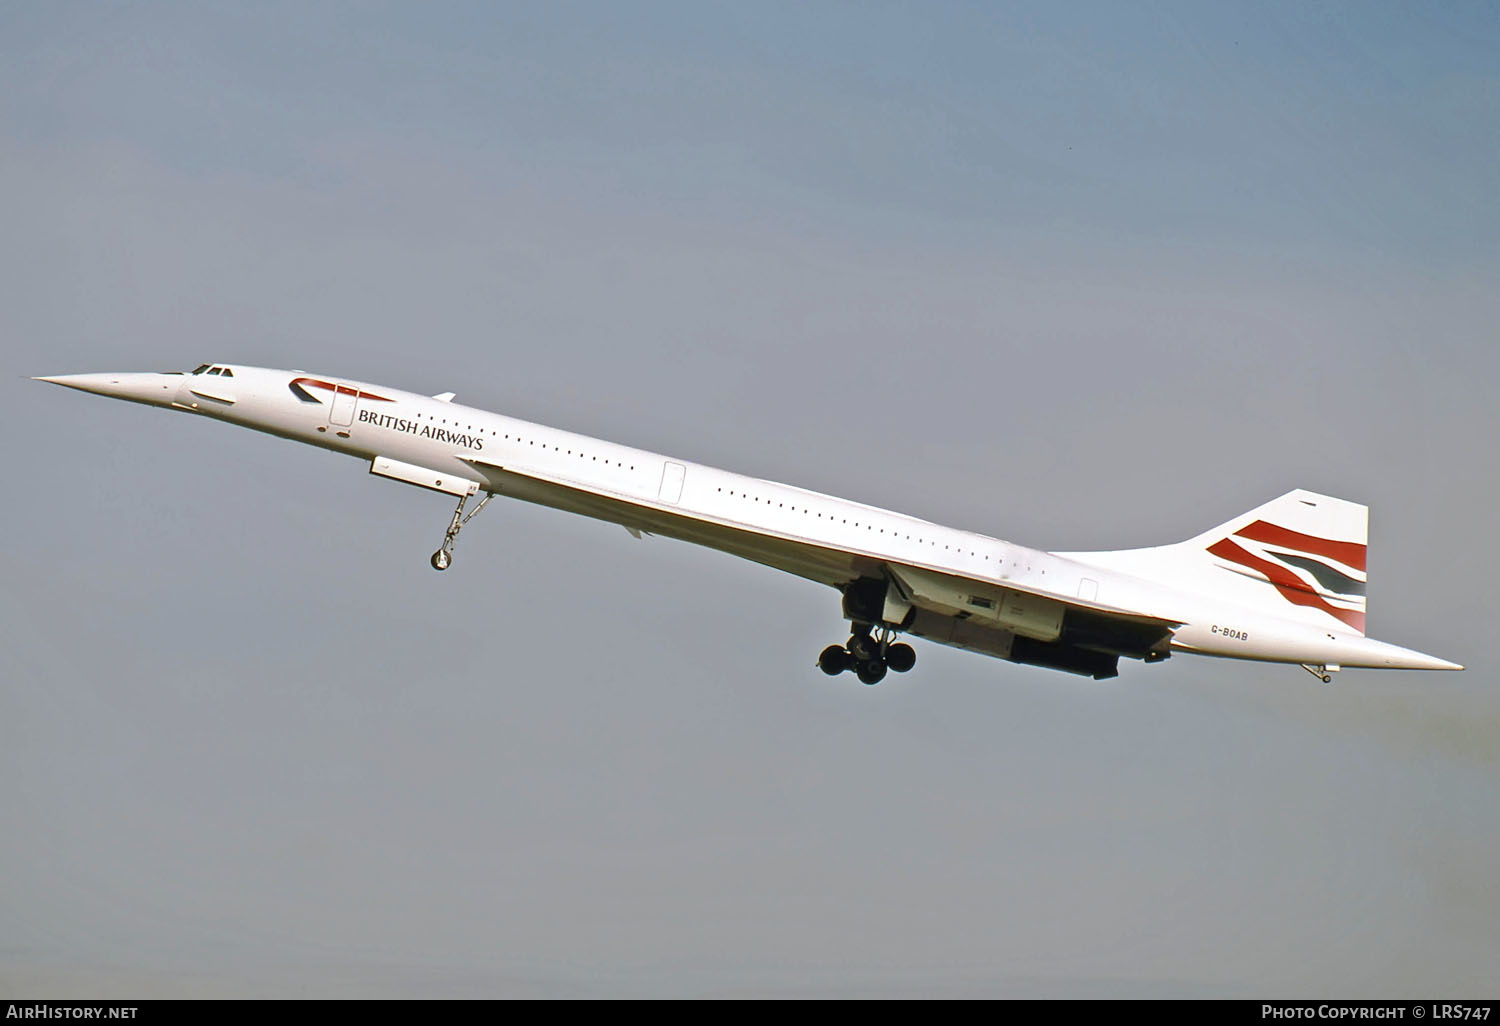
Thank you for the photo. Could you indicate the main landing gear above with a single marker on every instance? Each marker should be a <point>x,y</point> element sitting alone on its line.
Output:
<point>869,656</point>
<point>443,557</point>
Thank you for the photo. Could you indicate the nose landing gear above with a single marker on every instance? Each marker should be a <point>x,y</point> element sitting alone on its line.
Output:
<point>443,557</point>
<point>869,656</point>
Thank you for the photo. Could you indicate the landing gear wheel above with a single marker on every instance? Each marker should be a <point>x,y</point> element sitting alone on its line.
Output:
<point>444,555</point>
<point>901,657</point>
<point>870,672</point>
<point>863,648</point>
<point>834,660</point>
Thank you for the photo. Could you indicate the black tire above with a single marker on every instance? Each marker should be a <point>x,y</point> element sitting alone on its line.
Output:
<point>871,672</point>
<point>440,560</point>
<point>834,660</point>
<point>901,657</point>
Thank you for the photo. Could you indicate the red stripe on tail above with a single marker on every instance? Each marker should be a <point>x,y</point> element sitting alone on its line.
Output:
<point>1348,553</point>
<point>1283,580</point>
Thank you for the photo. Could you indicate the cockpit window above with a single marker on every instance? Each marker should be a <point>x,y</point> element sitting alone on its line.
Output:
<point>202,368</point>
<point>228,373</point>
<point>216,370</point>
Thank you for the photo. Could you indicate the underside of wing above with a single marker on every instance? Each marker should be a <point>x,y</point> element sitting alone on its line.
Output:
<point>1024,626</point>
<point>1000,620</point>
<point>816,562</point>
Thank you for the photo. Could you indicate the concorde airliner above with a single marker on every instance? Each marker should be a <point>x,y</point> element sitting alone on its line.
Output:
<point>1282,583</point>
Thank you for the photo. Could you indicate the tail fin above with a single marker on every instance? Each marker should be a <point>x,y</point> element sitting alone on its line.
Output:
<point>1301,557</point>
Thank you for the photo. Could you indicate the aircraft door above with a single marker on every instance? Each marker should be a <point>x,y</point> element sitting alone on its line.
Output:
<point>345,400</point>
<point>671,483</point>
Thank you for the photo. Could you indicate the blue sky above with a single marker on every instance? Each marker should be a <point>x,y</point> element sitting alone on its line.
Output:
<point>1087,276</point>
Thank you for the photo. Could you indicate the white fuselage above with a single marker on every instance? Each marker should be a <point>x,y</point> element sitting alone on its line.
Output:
<point>669,496</point>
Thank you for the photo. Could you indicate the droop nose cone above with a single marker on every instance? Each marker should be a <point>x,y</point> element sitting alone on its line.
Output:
<point>156,389</point>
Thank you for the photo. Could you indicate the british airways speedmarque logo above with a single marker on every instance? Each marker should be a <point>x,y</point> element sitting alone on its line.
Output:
<point>300,386</point>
